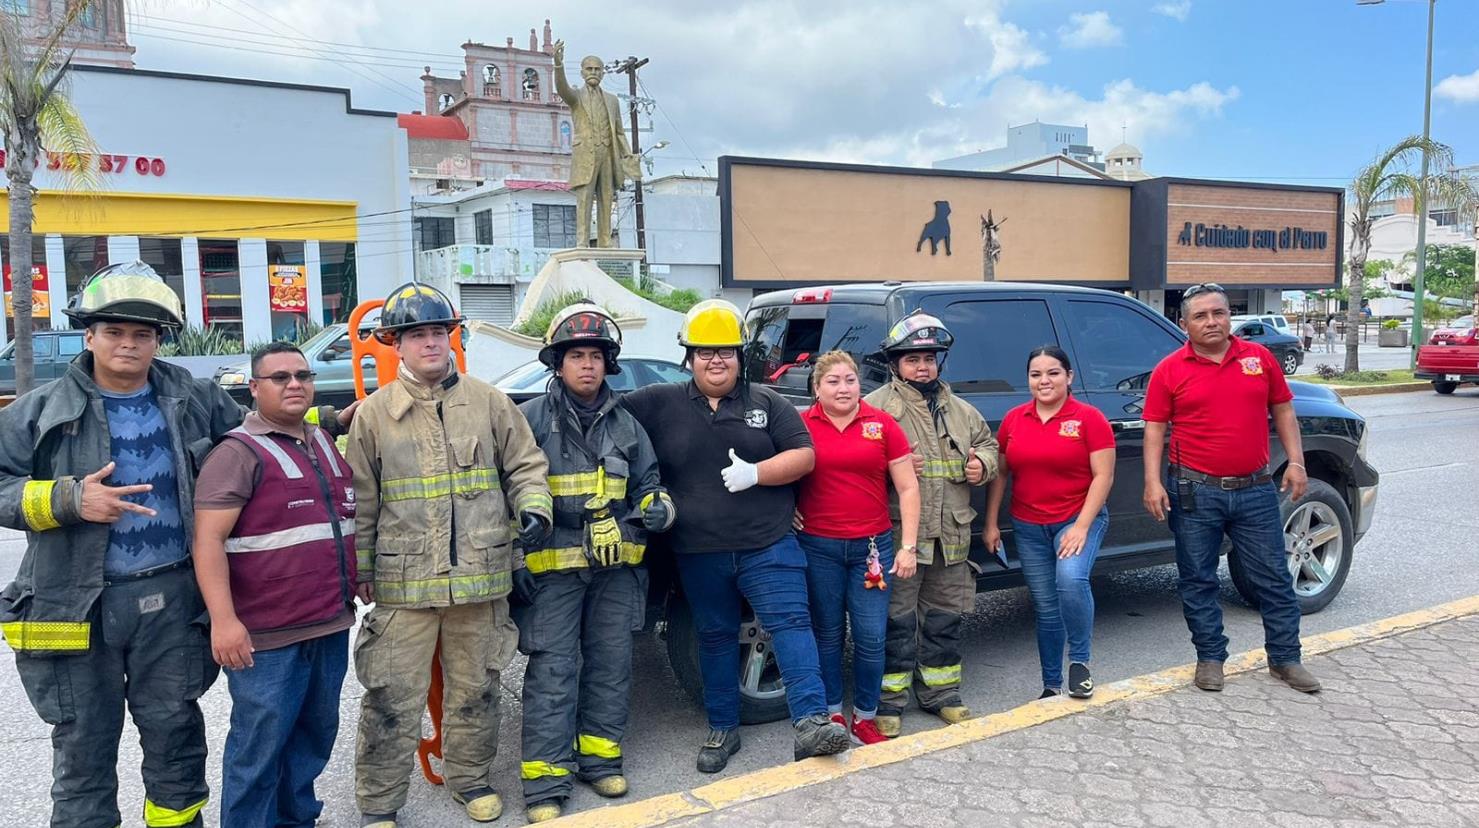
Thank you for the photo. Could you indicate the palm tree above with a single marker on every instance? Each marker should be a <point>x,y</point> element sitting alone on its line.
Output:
<point>1391,176</point>
<point>34,109</point>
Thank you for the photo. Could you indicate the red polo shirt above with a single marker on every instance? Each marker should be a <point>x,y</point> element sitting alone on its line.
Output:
<point>846,494</point>
<point>1218,411</point>
<point>1049,461</point>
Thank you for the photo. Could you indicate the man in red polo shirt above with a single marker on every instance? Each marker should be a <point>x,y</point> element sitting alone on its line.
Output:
<point>1217,394</point>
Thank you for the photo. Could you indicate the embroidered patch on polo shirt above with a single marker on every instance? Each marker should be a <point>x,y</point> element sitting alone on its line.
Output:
<point>873,431</point>
<point>1252,366</point>
<point>757,418</point>
<point>1069,428</point>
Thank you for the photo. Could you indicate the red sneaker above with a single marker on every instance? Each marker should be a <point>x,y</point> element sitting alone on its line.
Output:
<point>840,719</point>
<point>866,732</point>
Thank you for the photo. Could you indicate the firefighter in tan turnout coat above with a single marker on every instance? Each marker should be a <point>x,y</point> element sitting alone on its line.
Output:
<point>442,462</point>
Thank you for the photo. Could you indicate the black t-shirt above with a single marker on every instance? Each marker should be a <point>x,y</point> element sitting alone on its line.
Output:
<point>693,443</point>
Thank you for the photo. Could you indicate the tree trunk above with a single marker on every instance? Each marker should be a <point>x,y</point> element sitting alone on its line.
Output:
<point>20,166</point>
<point>1355,288</point>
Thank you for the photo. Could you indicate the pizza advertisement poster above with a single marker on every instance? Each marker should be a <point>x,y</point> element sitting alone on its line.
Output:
<point>288,288</point>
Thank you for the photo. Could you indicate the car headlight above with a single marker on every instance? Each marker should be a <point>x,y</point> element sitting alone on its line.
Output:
<point>233,378</point>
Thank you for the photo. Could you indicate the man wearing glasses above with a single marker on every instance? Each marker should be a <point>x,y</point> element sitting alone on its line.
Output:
<point>274,557</point>
<point>1217,394</point>
<point>728,453</point>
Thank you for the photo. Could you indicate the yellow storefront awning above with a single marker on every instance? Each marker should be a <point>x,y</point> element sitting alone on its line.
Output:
<point>205,216</point>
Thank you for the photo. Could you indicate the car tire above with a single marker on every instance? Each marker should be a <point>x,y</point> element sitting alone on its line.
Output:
<point>762,696</point>
<point>1444,387</point>
<point>1319,530</point>
<point>1290,362</point>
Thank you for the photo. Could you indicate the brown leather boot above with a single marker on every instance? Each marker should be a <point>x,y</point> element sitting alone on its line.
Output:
<point>1295,675</point>
<point>1209,675</point>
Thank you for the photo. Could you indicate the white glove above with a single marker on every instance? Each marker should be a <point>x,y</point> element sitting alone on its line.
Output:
<point>740,475</point>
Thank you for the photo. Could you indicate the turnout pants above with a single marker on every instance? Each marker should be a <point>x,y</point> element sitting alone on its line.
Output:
<point>578,635</point>
<point>922,644</point>
<point>392,658</point>
<point>150,649</point>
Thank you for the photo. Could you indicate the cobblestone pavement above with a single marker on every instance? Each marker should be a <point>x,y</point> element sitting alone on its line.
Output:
<point>1392,740</point>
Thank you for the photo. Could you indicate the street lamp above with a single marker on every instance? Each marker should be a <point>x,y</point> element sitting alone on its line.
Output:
<point>1418,286</point>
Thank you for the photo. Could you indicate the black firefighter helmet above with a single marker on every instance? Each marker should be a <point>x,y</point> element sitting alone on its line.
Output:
<point>412,305</point>
<point>583,323</point>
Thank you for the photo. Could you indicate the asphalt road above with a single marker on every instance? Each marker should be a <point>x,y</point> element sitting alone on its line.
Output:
<point>1420,552</point>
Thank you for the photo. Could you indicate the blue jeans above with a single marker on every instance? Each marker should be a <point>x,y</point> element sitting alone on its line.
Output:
<point>1061,596</point>
<point>1250,518</point>
<point>284,720</point>
<point>834,577</point>
<point>773,580</point>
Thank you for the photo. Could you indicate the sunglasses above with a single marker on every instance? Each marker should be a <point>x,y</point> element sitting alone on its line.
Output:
<point>1204,287</point>
<point>284,377</point>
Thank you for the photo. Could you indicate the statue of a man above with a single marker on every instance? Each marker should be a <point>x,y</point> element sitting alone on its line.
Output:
<point>601,160</point>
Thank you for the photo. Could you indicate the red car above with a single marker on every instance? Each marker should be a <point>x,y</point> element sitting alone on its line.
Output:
<point>1451,357</point>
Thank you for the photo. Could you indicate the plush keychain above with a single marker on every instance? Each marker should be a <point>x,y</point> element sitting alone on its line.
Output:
<point>873,578</point>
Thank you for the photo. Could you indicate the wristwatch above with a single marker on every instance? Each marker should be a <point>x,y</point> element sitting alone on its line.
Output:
<point>910,548</point>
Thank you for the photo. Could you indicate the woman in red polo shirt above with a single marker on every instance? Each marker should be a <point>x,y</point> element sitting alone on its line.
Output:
<point>843,523</point>
<point>1060,455</point>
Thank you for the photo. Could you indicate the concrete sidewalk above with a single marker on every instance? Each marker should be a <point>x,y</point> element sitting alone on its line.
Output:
<point>1392,740</point>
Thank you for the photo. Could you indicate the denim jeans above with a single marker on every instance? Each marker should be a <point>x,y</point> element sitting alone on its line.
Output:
<point>1061,596</point>
<point>284,720</point>
<point>1250,518</point>
<point>773,580</point>
<point>834,577</point>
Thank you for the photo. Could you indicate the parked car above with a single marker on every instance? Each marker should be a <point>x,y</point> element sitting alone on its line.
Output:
<point>1274,320</point>
<point>51,351</point>
<point>1451,357</point>
<point>1287,348</point>
<point>329,355</point>
<point>530,379</point>
<point>1115,342</point>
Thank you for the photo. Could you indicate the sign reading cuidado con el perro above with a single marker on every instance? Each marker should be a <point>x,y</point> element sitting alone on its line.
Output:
<point>1272,239</point>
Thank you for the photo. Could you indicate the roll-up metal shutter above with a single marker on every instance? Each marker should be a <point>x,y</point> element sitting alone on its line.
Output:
<point>490,303</point>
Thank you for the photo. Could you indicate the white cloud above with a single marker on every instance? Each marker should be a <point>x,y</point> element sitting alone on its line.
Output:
<point>1089,29</point>
<point>1459,88</point>
<point>1011,47</point>
<point>1178,9</point>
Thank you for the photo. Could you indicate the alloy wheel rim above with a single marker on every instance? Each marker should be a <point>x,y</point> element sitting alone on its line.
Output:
<point>1314,546</point>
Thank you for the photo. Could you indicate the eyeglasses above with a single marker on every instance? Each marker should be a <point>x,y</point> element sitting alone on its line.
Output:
<point>708,354</point>
<point>1204,287</point>
<point>283,377</point>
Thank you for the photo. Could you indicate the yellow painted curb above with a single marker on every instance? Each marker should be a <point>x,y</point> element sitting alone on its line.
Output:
<point>1392,388</point>
<point>784,778</point>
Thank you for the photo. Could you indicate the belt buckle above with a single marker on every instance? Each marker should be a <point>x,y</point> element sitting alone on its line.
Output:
<point>1230,484</point>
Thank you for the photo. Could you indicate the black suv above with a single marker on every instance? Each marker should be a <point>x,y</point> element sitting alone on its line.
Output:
<point>1114,342</point>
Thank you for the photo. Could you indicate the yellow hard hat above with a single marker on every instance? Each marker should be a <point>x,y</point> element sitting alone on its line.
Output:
<point>713,323</point>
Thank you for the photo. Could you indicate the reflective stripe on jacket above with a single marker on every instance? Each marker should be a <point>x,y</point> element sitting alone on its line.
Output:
<point>619,446</point>
<point>291,552</point>
<point>49,440</point>
<point>439,473</point>
<point>943,438</point>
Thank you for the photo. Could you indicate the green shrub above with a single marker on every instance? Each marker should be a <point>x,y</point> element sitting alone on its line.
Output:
<point>193,340</point>
<point>538,322</point>
<point>680,299</point>
<point>1391,325</point>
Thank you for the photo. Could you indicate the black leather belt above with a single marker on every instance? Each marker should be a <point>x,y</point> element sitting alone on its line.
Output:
<point>183,563</point>
<point>1226,484</point>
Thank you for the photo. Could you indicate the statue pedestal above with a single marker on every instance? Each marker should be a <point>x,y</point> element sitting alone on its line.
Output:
<point>618,262</point>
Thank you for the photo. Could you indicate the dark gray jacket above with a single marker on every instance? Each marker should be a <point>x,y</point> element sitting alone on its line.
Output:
<point>50,439</point>
<point>616,443</point>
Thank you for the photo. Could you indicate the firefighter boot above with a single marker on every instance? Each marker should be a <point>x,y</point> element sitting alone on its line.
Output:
<point>543,811</point>
<point>482,804</point>
<point>610,787</point>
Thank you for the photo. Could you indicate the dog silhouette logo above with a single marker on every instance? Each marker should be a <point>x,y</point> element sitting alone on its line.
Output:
<point>936,229</point>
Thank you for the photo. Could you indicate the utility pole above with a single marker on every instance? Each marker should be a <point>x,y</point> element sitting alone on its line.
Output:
<point>1418,286</point>
<point>630,67</point>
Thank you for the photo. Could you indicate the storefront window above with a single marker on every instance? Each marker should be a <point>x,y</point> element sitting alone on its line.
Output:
<point>287,289</point>
<point>338,281</point>
<point>38,257</point>
<point>164,256</point>
<point>84,255</point>
<point>220,285</point>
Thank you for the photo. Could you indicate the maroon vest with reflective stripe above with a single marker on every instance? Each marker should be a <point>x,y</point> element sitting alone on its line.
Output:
<point>291,554</point>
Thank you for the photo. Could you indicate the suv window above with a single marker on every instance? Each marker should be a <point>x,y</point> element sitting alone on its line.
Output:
<point>69,346</point>
<point>781,335</point>
<point>41,347</point>
<point>1252,329</point>
<point>992,340</point>
<point>1117,344</point>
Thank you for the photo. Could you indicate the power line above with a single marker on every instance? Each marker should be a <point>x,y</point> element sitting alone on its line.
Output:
<point>335,43</point>
<point>299,55</point>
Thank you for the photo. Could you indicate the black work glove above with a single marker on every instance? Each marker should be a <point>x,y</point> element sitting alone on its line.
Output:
<point>659,514</point>
<point>534,530</point>
<point>525,586</point>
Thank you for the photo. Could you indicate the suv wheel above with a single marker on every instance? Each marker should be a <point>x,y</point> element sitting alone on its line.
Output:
<point>1318,545</point>
<point>1444,387</point>
<point>762,695</point>
<point>1291,363</point>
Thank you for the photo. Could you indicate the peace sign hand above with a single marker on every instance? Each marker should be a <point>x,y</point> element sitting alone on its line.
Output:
<point>106,504</point>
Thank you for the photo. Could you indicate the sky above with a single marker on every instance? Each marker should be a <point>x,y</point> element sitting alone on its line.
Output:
<point>1295,91</point>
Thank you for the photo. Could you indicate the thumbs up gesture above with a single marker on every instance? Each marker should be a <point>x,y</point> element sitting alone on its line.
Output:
<point>975,470</point>
<point>740,475</point>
